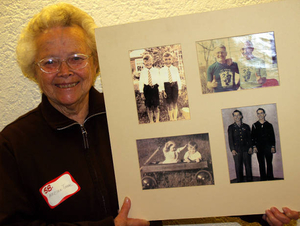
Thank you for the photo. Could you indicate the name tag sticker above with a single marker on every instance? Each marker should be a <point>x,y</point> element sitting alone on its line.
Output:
<point>59,189</point>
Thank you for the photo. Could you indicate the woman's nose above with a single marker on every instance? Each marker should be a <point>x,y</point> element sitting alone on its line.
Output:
<point>64,69</point>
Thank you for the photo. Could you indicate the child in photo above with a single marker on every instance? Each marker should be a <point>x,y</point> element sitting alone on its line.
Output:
<point>171,153</point>
<point>192,155</point>
<point>149,86</point>
<point>172,85</point>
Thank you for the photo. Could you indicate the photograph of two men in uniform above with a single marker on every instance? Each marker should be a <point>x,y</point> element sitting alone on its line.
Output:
<point>252,143</point>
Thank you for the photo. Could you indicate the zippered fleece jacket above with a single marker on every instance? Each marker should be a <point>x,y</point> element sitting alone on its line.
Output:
<point>56,171</point>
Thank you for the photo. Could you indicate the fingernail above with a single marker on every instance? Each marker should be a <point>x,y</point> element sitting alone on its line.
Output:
<point>126,199</point>
<point>266,212</point>
<point>285,209</point>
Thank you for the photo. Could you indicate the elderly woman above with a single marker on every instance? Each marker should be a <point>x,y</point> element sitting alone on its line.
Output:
<point>55,161</point>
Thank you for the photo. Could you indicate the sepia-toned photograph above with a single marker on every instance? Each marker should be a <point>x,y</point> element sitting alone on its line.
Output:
<point>159,84</point>
<point>237,63</point>
<point>252,143</point>
<point>178,161</point>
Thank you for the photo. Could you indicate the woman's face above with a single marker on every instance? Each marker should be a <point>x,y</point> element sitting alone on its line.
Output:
<point>67,87</point>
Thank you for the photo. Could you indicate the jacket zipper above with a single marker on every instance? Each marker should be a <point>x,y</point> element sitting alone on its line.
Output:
<point>85,137</point>
<point>86,147</point>
<point>83,130</point>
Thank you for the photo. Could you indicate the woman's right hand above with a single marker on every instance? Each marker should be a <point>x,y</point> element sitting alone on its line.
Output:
<point>123,220</point>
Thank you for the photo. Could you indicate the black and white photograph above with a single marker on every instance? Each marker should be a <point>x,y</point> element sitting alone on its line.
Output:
<point>237,63</point>
<point>253,143</point>
<point>159,84</point>
<point>177,161</point>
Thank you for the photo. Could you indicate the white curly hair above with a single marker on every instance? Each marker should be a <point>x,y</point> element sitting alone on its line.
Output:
<point>61,14</point>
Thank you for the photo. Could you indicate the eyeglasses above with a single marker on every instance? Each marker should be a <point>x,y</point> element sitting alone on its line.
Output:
<point>52,64</point>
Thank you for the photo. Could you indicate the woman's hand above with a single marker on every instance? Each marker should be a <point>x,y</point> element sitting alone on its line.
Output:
<point>123,220</point>
<point>276,218</point>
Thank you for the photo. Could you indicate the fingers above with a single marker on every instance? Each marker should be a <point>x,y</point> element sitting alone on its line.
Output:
<point>123,213</point>
<point>275,218</point>
<point>258,78</point>
<point>137,222</point>
<point>290,213</point>
<point>280,216</point>
<point>229,61</point>
<point>273,150</point>
<point>272,220</point>
<point>123,220</point>
<point>214,83</point>
<point>250,151</point>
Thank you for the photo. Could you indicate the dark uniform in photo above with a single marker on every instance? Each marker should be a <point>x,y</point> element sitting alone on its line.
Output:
<point>240,144</point>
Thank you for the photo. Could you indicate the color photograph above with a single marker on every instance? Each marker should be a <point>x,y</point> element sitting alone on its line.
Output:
<point>237,63</point>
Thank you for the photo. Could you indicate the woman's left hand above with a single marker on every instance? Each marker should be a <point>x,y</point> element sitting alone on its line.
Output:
<point>276,218</point>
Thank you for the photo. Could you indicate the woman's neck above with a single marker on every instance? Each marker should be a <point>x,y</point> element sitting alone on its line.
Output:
<point>76,112</point>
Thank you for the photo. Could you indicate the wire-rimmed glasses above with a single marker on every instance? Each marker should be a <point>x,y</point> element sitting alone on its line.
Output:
<point>52,64</point>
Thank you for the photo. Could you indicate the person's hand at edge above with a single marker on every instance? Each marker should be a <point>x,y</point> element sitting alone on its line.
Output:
<point>229,61</point>
<point>123,220</point>
<point>273,150</point>
<point>255,150</point>
<point>250,151</point>
<point>213,84</point>
<point>276,218</point>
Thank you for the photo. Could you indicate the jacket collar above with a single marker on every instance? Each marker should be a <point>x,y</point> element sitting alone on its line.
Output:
<point>235,124</point>
<point>57,120</point>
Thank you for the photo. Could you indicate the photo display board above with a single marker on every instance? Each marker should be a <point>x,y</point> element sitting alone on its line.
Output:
<point>203,111</point>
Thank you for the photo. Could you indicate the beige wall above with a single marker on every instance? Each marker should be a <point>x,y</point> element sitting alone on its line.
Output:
<point>19,95</point>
